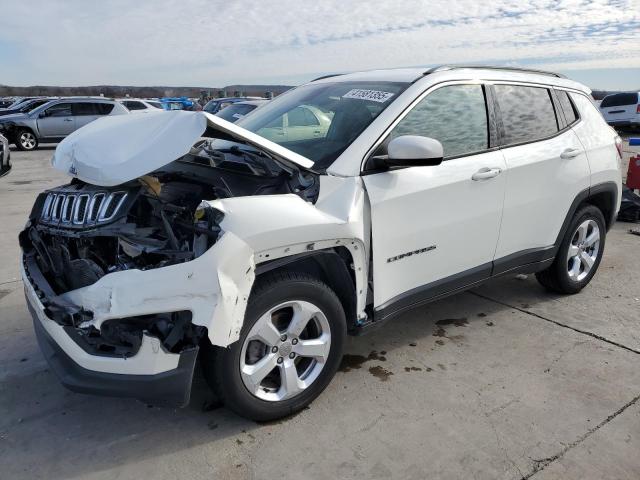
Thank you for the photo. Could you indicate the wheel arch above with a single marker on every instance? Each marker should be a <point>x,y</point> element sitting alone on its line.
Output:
<point>332,266</point>
<point>603,196</point>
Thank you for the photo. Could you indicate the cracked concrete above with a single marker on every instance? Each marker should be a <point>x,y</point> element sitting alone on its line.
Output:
<point>524,384</point>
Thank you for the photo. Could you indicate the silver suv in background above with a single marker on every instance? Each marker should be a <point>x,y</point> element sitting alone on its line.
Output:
<point>55,120</point>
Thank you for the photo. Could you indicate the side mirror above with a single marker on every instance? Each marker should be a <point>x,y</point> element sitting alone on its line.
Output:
<point>414,151</point>
<point>42,114</point>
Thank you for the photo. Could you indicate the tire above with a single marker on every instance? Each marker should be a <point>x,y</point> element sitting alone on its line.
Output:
<point>277,300</point>
<point>26,140</point>
<point>571,270</point>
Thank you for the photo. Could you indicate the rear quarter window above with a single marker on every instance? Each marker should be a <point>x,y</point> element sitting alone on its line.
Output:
<point>527,113</point>
<point>567,106</point>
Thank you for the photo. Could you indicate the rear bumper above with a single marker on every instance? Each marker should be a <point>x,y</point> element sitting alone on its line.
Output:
<point>167,388</point>
<point>624,123</point>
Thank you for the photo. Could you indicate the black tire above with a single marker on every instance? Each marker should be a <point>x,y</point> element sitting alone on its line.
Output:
<point>21,140</point>
<point>221,366</point>
<point>556,278</point>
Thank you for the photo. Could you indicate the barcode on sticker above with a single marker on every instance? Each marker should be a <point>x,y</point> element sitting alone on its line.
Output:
<point>372,95</point>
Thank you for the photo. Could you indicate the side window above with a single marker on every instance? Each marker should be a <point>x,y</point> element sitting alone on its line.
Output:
<point>59,110</point>
<point>567,106</point>
<point>302,117</point>
<point>103,108</point>
<point>527,113</point>
<point>131,105</point>
<point>456,116</point>
<point>85,108</point>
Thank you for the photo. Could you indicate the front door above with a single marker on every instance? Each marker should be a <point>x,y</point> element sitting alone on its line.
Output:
<point>435,229</point>
<point>56,121</point>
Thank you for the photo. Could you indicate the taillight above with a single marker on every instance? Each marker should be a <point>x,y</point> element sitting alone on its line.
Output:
<point>619,145</point>
<point>638,109</point>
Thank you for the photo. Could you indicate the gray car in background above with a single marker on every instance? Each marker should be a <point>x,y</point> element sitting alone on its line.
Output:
<point>55,120</point>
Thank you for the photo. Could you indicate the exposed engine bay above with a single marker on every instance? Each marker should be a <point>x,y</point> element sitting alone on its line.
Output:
<point>78,233</point>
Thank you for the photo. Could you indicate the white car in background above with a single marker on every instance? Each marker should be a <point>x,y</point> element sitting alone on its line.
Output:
<point>621,109</point>
<point>139,105</point>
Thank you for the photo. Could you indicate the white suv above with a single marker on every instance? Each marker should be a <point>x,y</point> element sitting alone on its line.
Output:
<point>621,109</point>
<point>260,256</point>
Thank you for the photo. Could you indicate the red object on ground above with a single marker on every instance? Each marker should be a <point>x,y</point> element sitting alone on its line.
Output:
<point>633,174</point>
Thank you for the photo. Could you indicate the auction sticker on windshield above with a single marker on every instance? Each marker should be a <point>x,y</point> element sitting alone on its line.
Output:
<point>372,95</point>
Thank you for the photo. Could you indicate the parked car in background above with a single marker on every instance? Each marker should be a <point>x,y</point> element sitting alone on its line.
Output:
<point>139,105</point>
<point>11,102</point>
<point>304,122</point>
<point>5,156</point>
<point>26,106</point>
<point>236,111</point>
<point>177,103</point>
<point>56,119</point>
<point>260,256</point>
<point>217,104</point>
<point>621,109</point>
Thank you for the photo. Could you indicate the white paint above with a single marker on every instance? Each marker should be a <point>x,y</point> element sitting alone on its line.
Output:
<point>150,359</point>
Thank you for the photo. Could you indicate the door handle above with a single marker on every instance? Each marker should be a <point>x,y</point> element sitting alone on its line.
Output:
<point>486,173</point>
<point>570,153</point>
<point>68,119</point>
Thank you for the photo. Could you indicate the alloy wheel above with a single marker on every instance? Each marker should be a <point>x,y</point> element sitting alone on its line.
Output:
<point>285,351</point>
<point>583,250</point>
<point>27,140</point>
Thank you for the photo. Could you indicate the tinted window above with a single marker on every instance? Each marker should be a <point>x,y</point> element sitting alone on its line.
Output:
<point>103,108</point>
<point>235,112</point>
<point>619,99</point>
<point>85,108</point>
<point>527,113</point>
<point>59,110</point>
<point>567,106</point>
<point>456,116</point>
<point>134,105</point>
<point>155,105</point>
<point>302,117</point>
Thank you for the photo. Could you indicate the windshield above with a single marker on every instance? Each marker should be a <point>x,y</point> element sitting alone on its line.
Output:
<point>235,112</point>
<point>319,121</point>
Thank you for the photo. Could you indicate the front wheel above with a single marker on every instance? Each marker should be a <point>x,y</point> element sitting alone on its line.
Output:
<point>290,347</point>
<point>26,140</point>
<point>579,254</point>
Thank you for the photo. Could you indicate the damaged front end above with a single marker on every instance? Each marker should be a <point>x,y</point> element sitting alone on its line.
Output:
<point>127,280</point>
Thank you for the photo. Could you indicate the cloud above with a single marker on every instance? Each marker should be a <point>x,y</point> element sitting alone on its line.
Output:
<point>213,43</point>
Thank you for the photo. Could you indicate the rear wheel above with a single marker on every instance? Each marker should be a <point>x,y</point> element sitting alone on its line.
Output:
<point>289,348</point>
<point>579,255</point>
<point>26,140</point>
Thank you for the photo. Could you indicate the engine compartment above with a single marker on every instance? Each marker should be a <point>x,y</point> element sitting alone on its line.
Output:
<point>78,233</point>
<point>81,232</point>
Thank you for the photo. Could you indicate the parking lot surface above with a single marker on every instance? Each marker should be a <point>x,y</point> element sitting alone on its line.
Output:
<point>505,381</point>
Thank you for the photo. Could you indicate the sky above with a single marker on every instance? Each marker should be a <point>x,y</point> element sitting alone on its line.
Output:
<point>213,43</point>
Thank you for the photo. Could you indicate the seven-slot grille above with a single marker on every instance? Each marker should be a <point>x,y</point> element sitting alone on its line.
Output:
<point>81,208</point>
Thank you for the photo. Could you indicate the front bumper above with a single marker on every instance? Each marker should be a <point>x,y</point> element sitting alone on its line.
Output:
<point>214,288</point>
<point>151,375</point>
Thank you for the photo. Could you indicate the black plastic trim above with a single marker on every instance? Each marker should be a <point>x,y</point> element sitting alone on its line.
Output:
<point>432,291</point>
<point>172,388</point>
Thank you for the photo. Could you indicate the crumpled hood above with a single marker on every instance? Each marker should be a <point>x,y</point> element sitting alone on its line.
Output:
<point>116,149</point>
<point>13,116</point>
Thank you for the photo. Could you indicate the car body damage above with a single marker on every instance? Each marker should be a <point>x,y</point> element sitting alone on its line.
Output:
<point>154,246</point>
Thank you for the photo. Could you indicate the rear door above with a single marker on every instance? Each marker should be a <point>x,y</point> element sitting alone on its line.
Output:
<point>620,107</point>
<point>87,112</point>
<point>435,228</point>
<point>56,121</point>
<point>546,169</point>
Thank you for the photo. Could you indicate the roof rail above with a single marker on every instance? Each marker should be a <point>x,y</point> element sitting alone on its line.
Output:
<point>442,68</point>
<point>327,76</point>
